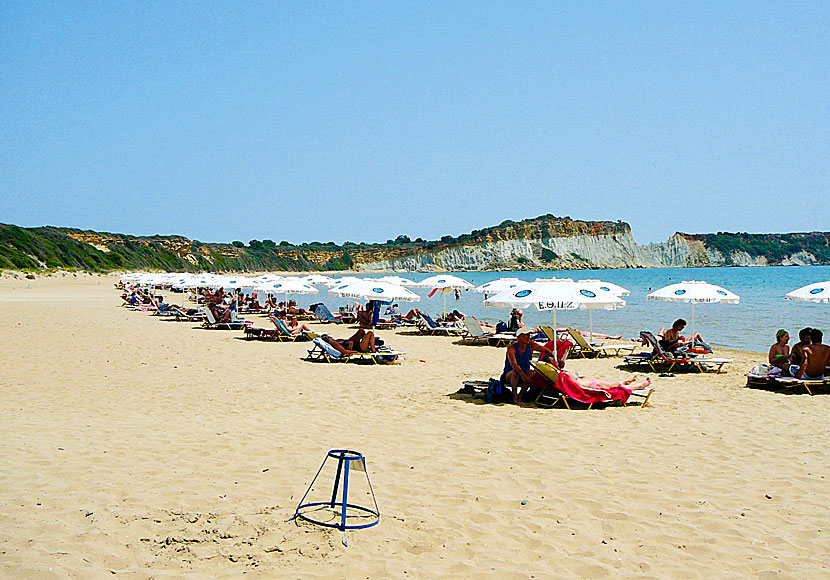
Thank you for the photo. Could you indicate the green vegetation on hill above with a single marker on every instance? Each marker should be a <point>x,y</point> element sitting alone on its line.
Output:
<point>775,247</point>
<point>48,248</point>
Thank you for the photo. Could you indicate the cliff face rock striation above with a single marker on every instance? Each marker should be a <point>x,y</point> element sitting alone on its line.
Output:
<point>543,243</point>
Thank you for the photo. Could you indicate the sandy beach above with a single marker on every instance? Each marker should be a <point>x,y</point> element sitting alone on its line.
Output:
<point>136,448</point>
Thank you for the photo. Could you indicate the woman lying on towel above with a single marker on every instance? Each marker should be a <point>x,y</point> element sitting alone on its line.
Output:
<point>360,341</point>
<point>592,384</point>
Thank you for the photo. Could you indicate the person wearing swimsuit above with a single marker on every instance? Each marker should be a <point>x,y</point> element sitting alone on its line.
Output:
<point>779,353</point>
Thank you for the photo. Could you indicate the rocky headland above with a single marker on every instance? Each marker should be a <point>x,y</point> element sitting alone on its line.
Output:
<point>542,243</point>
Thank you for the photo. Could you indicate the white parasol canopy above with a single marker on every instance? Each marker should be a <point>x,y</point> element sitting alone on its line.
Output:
<point>564,294</point>
<point>286,287</point>
<point>443,281</point>
<point>818,292</point>
<point>397,280</point>
<point>342,281</point>
<point>696,292</point>
<point>606,287</point>
<point>375,290</point>
<point>317,279</point>
<point>499,285</point>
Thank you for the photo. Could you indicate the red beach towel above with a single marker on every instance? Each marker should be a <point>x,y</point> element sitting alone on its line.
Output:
<point>569,387</point>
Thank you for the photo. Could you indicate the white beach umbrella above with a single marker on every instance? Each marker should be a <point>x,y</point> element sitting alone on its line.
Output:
<point>397,280</point>
<point>317,279</point>
<point>555,295</point>
<point>286,286</point>
<point>614,289</point>
<point>200,281</point>
<point>601,286</point>
<point>499,285</point>
<point>695,292</point>
<point>818,292</point>
<point>375,290</point>
<point>343,280</point>
<point>444,282</point>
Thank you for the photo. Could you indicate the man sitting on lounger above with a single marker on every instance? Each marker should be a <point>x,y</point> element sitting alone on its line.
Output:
<point>797,351</point>
<point>816,357</point>
<point>517,363</point>
<point>672,341</point>
<point>360,341</point>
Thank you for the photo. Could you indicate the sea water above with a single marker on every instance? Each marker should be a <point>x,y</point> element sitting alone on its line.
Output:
<point>749,325</point>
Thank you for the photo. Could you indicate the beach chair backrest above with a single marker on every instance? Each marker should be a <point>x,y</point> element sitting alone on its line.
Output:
<point>549,371</point>
<point>549,332</point>
<point>428,319</point>
<point>209,316</point>
<point>579,339</point>
<point>323,313</point>
<point>658,348</point>
<point>330,350</point>
<point>281,327</point>
<point>473,327</point>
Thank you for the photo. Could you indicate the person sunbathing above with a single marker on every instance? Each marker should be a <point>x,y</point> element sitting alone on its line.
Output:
<point>454,316</point>
<point>593,384</point>
<point>364,316</point>
<point>779,353</point>
<point>293,309</point>
<point>293,325</point>
<point>360,341</point>
<point>593,335</point>
<point>816,357</point>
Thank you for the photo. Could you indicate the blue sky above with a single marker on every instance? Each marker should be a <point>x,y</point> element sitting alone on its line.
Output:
<point>362,121</point>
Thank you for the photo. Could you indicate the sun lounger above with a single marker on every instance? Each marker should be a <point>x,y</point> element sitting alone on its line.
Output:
<point>323,314</point>
<point>183,316</point>
<point>322,351</point>
<point>661,360</point>
<point>428,326</point>
<point>285,335</point>
<point>234,324</point>
<point>587,350</point>
<point>556,389</point>
<point>474,334</point>
<point>760,376</point>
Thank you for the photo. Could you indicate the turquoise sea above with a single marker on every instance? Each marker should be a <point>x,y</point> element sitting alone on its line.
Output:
<point>750,325</point>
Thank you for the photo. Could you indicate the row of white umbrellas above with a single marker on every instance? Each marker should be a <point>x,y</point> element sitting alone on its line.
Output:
<point>544,294</point>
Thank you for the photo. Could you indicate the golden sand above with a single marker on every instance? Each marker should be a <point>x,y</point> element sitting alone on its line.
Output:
<point>136,448</point>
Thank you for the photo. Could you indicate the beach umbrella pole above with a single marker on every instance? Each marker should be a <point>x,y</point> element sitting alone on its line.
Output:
<point>591,325</point>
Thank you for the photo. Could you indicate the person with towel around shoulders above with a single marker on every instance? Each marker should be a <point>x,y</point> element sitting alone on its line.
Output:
<point>516,374</point>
